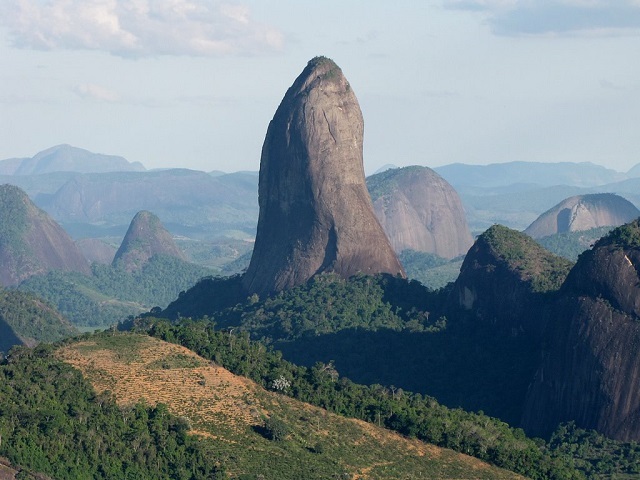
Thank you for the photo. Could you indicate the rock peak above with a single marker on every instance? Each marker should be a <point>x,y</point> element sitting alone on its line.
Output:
<point>590,370</point>
<point>315,212</point>
<point>420,211</point>
<point>145,238</point>
<point>31,242</point>
<point>583,212</point>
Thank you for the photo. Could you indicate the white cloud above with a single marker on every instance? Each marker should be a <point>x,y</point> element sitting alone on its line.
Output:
<point>136,28</point>
<point>97,92</point>
<point>556,17</point>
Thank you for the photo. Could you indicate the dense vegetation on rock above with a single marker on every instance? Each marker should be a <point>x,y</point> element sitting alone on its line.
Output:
<point>327,303</point>
<point>52,422</point>
<point>596,455</point>
<point>378,330</point>
<point>521,253</point>
<point>431,270</point>
<point>571,244</point>
<point>111,293</point>
<point>625,236</point>
<point>32,319</point>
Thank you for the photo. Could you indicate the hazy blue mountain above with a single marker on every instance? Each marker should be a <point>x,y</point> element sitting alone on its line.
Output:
<point>41,185</point>
<point>191,203</point>
<point>584,174</point>
<point>65,158</point>
<point>629,189</point>
<point>515,209</point>
<point>634,171</point>
<point>10,165</point>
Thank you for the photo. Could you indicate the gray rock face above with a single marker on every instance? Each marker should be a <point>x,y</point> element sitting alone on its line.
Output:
<point>315,211</point>
<point>583,212</point>
<point>145,238</point>
<point>590,370</point>
<point>420,211</point>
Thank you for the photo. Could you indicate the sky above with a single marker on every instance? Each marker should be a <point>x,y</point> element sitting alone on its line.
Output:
<point>194,83</point>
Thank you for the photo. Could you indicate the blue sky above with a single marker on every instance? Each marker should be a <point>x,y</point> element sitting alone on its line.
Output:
<point>194,83</point>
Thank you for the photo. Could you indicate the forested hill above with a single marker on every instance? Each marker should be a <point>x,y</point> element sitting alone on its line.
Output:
<point>25,319</point>
<point>383,330</point>
<point>112,293</point>
<point>52,422</point>
<point>414,415</point>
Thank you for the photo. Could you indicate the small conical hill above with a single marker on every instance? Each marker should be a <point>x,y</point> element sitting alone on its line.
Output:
<point>145,238</point>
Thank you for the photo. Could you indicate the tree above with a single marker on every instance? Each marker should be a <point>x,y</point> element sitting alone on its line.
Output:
<point>276,429</point>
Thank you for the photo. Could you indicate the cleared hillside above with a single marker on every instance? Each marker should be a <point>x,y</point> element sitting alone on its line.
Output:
<point>229,411</point>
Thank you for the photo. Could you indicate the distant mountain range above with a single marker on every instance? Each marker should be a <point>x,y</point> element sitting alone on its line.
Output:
<point>65,158</point>
<point>584,174</point>
<point>516,193</point>
<point>94,195</point>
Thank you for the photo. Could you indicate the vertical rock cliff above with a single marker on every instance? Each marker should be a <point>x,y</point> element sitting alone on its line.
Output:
<point>590,369</point>
<point>315,212</point>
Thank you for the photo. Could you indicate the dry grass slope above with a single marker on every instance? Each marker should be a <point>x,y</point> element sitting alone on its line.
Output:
<point>227,411</point>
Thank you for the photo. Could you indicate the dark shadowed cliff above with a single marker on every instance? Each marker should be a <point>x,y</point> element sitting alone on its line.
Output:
<point>31,243</point>
<point>145,238</point>
<point>584,212</point>
<point>420,211</point>
<point>315,211</point>
<point>590,369</point>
